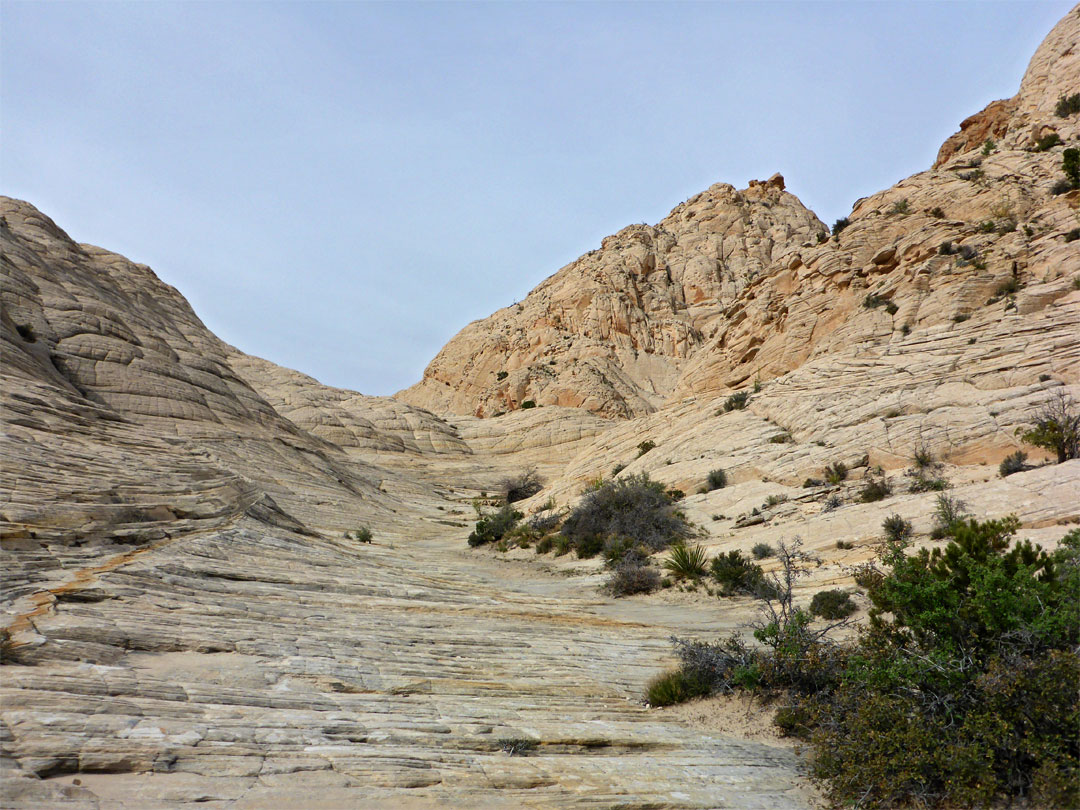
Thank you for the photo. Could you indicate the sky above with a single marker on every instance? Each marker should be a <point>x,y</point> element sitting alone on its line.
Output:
<point>340,187</point>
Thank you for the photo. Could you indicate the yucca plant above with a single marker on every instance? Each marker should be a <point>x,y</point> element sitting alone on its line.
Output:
<point>686,562</point>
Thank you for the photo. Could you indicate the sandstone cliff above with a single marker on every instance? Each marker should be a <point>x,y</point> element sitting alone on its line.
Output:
<point>734,286</point>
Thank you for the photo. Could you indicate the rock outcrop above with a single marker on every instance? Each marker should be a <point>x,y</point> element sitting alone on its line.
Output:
<point>738,285</point>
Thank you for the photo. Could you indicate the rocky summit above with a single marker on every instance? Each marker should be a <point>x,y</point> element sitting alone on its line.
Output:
<point>192,617</point>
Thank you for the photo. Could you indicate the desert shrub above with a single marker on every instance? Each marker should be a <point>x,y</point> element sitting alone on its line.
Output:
<point>644,447</point>
<point>490,528</point>
<point>618,468</point>
<point>544,545</point>
<point>676,686</point>
<point>946,248</point>
<point>631,577</point>
<point>963,689</point>
<point>845,545</point>
<point>1012,463</point>
<point>762,551</point>
<point>634,507</point>
<point>947,513</point>
<point>937,212</point>
<point>545,521</point>
<point>839,225</point>
<point>502,375</point>
<point>588,546</point>
<point>363,534</point>
<point>831,503</point>
<point>1062,186</point>
<point>517,746</point>
<point>686,562</point>
<point>521,486</point>
<point>527,404</point>
<point>810,483</point>
<point>1057,427</point>
<point>900,207</point>
<point>987,226</point>
<point>876,488</point>
<point>836,472</point>
<point>774,500</point>
<point>780,438</point>
<point>960,692</point>
<point>897,530</point>
<point>1068,105</point>
<point>737,574</point>
<point>1070,164</point>
<point>1073,235</point>
<point>737,401</point>
<point>832,604</point>
<point>675,494</point>
<point>716,479</point>
<point>562,544</point>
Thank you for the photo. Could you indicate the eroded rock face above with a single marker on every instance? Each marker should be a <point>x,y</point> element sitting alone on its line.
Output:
<point>734,286</point>
<point>613,331</point>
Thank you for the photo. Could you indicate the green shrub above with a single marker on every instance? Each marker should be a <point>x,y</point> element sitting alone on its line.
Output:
<point>1073,235</point>
<point>588,546</point>
<point>810,483</point>
<point>686,562</point>
<point>774,500</point>
<point>937,213</point>
<point>832,604</point>
<point>1070,164</point>
<point>877,488</point>
<point>544,545</point>
<point>633,507</point>
<point>900,207</point>
<point>527,404</point>
<point>946,249</point>
<point>490,528</point>
<point>645,447</point>
<point>762,551</point>
<point>947,513</point>
<point>737,401</point>
<point>1057,427</point>
<point>363,534</point>
<point>1012,463</point>
<point>897,530</point>
<point>736,574</point>
<point>845,545</point>
<point>1068,105</point>
<point>563,544</point>
<point>839,225</point>
<point>502,375</point>
<point>716,479</point>
<point>618,468</point>
<point>836,472</point>
<point>676,686</point>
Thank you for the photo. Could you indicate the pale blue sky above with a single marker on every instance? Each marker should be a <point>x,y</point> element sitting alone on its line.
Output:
<point>340,187</point>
